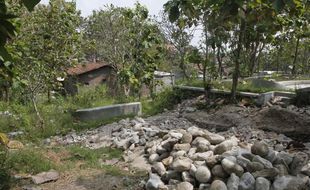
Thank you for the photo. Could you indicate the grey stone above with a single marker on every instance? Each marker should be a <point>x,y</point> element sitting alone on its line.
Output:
<point>271,156</point>
<point>260,148</point>
<point>225,146</point>
<point>186,138</point>
<point>283,158</point>
<point>201,144</point>
<point>202,155</point>
<point>233,182</point>
<point>167,161</point>
<point>306,169</point>
<point>290,183</point>
<point>154,182</point>
<point>232,167</point>
<point>214,138</point>
<point>283,170</point>
<point>263,161</point>
<point>247,182</point>
<point>203,174</point>
<point>187,177</point>
<point>181,164</point>
<point>193,170</point>
<point>45,177</point>
<point>153,158</point>
<point>184,147</point>
<point>269,173</point>
<point>213,160</point>
<point>185,186</point>
<point>242,161</point>
<point>218,185</point>
<point>262,184</point>
<point>175,135</point>
<point>178,154</point>
<point>195,131</point>
<point>218,171</point>
<point>171,174</point>
<point>159,168</point>
<point>254,166</point>
<point>299,161</point>
<point>160,150</point>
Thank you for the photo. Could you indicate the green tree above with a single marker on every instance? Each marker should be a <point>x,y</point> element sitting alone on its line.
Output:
<point>128,40</point>
<point>246,20</point>
<point>7,32</point>
<point>47,44</point>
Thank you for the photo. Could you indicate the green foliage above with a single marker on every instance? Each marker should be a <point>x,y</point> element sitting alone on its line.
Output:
<point>47,44</point>
<point>29,161</point>
<point>166,99</point>
<point>129,41</point>
<point>92,158</point>
<point>5,177</point>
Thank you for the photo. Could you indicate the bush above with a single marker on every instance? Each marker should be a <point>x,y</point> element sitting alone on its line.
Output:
<point>302,97</point>
<point>167,99</point>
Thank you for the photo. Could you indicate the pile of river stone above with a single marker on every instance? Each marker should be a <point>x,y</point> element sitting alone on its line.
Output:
<point>197,159</point>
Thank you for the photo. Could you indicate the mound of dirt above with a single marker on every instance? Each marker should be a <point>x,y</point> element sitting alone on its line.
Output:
<point>282,120</point>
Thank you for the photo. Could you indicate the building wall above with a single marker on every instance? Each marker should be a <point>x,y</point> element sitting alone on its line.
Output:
<point>91,78</point>
<point>95,77</point>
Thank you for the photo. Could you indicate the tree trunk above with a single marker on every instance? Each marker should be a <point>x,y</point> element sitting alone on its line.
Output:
<point>41,121</point>
<point>219,60</point>
<point>206,83</point>
<point>237,62</point>
<point>295,57</point>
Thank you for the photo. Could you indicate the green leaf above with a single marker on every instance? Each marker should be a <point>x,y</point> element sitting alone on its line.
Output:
<point>30,4</point>
<point>278,5</point>
<point>174,13</point>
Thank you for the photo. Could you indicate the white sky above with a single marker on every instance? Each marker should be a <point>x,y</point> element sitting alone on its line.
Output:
<point>154,7</point>
<point>87,6</point>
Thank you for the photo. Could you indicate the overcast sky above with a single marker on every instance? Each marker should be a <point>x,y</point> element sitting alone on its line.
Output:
<point>87,6</point>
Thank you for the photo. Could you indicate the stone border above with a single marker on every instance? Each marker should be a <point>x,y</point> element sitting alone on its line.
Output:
<point>109,112</point>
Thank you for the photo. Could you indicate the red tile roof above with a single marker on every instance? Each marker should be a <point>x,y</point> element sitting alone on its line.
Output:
<point>84,68</point>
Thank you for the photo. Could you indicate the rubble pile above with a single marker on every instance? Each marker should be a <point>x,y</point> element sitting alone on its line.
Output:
<point>197,159</point>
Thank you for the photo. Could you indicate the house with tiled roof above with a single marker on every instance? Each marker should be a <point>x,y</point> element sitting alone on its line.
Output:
<point>90,74</point>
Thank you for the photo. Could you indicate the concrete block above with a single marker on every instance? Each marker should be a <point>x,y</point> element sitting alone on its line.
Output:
<point>264,98</point>
<point>108,112</point>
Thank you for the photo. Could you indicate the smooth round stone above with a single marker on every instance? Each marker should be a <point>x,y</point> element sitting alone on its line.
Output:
<point>203,174</point>
<point>231,167</point>
<point>181,164</point>
<point>233,182</point>
<point>187,138</point>
<point>218,185</point>
<point>159,168</point>
<point>185,186</point>
<point>153,158</point>
<point>247,182</point>
<point>260,148</point>
<point>262,184</point>
<point>254,166</point>
<point>154,182</point>
<point>218,171</point>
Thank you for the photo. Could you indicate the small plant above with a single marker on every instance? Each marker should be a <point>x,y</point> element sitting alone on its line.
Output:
<point>29,161</point>
<point>5,177</point>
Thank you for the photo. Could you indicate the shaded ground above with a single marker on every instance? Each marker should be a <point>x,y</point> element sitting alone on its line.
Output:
<point>91,179</point>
